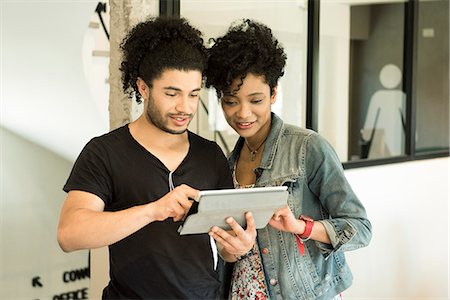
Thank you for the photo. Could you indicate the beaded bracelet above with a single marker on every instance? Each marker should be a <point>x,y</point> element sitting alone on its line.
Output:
<point>241,257</point>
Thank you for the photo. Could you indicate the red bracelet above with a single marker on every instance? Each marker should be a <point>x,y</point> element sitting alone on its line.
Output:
<point>308,229</point>
<point>306,235</point>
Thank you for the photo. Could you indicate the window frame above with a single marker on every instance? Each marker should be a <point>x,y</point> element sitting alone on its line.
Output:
<point>409,51</point>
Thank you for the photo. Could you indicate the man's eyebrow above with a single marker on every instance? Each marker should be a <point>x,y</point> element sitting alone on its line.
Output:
<point>174,88</point>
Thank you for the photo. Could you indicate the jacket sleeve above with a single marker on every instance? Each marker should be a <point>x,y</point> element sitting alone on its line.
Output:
<point>345,217</point>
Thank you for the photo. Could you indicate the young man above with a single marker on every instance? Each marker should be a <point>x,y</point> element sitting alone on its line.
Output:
<point>129,189</point>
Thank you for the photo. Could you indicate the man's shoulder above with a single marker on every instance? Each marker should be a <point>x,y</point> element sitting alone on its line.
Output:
<point>110,139</point>
<point>113,134</point>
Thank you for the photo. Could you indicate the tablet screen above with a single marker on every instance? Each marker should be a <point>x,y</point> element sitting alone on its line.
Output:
<point>214,206</point>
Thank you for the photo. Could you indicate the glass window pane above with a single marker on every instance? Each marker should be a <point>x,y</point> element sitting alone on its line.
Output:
<point>288,21</point>
<point>361,107</point>
<point>431,89</point>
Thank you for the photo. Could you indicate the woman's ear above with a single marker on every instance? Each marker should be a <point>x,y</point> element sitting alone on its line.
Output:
<point>273,97</point>
<point>143,88</point>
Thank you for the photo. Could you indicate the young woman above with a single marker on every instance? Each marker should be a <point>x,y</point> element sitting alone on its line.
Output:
<point>300,254</point>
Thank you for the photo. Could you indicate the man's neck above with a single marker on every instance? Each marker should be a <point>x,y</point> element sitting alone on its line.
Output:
<point>147,134</point>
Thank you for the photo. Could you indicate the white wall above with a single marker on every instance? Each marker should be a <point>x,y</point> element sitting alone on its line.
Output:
<point>408,205</point>
<point>334,61</point>
<point>53,91</point>
<point>31,181</point>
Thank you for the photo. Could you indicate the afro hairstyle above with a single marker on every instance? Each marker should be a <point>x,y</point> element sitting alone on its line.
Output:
<point>247,47</point>
<point>158,44</point>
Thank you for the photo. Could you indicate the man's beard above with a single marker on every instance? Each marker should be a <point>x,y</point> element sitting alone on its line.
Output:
<point>155,117</point>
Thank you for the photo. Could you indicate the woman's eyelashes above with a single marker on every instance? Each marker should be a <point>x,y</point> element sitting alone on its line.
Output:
<point>256,101</point>
<point>228,102</point>
<point>233,102</point>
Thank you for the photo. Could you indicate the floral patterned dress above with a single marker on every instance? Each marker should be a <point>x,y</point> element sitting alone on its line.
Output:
<point>248,276</point>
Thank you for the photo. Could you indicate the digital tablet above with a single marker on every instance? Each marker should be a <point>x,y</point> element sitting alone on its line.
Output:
<point>213,206</point>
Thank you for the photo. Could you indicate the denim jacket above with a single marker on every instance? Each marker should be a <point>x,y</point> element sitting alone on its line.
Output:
<point>305,162</point>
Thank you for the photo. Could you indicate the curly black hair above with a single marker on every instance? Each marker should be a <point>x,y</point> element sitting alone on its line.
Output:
<point>158,44</point>
<point>247,47</point>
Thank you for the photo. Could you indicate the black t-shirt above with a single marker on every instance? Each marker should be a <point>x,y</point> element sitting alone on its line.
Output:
<point>155,262</point>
